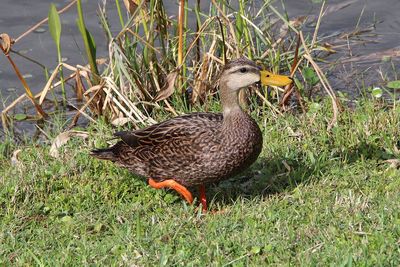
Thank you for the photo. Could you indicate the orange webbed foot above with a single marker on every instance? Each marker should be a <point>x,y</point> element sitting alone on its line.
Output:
<point>183,191</point>
<point>173,185</point>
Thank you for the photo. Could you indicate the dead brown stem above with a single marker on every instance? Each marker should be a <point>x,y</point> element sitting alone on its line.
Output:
<point>324,82</point>
<point>27,89</point>
<point>292,87</point>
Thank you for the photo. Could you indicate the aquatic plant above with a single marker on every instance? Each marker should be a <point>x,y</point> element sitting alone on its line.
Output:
<point>55,31</point>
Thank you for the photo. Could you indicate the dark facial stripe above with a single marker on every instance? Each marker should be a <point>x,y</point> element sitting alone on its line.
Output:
<point>250,69</point>
<point>241,61</point>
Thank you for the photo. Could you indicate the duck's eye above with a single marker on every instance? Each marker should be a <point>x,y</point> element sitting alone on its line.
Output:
<point>243,70</point>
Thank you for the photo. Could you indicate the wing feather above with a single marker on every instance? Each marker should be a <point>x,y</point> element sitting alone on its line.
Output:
<point>179,128</point>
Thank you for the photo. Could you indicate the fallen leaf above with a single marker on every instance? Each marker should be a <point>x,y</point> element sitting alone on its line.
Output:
<point>255,250</point>
<point>6,42</point>
<point>101,61</point>
<point>296,23</point>
<point>394,163</point>
<point>98,227</point>
<point>67,219</point>
<point>377,92</point>
<point>131,6</point>
<point>168,87</point>
<point>14,159</point>
<point>63,138</point>
<point>393,84</point>
<point>20,117</point>
<point>120,121</point>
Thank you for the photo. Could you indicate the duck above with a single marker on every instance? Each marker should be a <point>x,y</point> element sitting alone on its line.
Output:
<point>201,148</point>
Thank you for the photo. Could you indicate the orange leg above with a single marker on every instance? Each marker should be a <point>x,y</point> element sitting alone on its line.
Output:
<point>173,185</point>
<point>203,198</point>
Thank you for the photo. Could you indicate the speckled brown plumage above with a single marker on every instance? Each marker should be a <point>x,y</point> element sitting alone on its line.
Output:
<point>194,149</point>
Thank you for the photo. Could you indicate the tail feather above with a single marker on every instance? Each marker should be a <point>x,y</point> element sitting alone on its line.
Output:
<point>104,153</point>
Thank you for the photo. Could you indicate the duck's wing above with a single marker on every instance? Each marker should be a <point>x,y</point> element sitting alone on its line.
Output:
<point>167,149</point>
<point>185,128</point>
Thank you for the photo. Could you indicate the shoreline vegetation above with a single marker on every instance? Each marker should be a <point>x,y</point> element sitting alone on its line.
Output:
<point>173,69</point>
<point>324,191</point>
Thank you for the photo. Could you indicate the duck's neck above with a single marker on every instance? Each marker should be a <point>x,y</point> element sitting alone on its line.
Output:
<point>229,101</point>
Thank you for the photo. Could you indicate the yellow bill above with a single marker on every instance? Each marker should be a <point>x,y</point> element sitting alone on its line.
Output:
<point>268,78</point>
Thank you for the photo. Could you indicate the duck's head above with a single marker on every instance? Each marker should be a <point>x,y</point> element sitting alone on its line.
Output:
<point>242,72</point>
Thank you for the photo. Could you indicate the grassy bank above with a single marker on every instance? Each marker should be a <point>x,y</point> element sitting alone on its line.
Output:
<point>312,198</point>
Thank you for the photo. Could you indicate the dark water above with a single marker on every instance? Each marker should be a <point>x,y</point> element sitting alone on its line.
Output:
<point>366,53</point>
<point>363,57</point>
<point>17,16</point>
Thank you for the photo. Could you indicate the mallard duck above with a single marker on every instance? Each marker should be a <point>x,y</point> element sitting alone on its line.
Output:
<point>197,149</point>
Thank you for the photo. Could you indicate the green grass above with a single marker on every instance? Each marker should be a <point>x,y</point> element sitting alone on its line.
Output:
<point>314,197</point>
<point>337,202</point>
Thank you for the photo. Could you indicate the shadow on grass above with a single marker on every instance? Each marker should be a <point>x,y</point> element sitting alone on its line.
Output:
<point>266,177</point>
<point>269,176</point>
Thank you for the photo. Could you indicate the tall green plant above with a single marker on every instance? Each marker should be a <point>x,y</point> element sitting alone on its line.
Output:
<point>90,45</point>
<point>55,31</point>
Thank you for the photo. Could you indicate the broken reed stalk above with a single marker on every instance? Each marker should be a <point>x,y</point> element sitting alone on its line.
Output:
<point>181,18</point>
<point>324,82</point>
<point>198,23</point>
<point>181,22</point>
<point>28,91</point>
<point>292,87</point>
<point>82,109</point>
<point>321,14</point>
